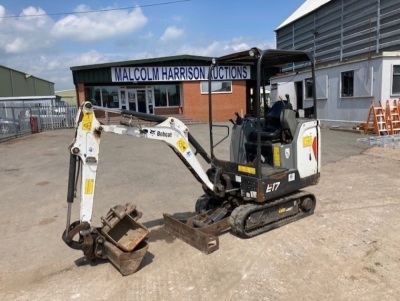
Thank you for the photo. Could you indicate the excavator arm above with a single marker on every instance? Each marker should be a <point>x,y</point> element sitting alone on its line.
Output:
<point>115,240</point>
<point>87,142</point>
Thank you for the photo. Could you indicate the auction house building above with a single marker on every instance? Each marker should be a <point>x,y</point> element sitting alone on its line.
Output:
<point>166,86</point>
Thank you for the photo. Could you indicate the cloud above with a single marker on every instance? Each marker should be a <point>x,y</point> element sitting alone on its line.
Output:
<point>172,33</point>
<point>97,26</point>
<point>219,48</point>
<point>25,34</point>
<point>2,12</point>
<point>47,47</point>
<point>88,58</point>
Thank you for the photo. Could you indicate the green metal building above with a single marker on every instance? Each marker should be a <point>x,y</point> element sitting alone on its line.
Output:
<point>15,83</point>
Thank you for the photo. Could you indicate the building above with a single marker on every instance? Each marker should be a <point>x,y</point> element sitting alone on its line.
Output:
<point>67,96</point>
<point>356,46</point>
<point>166,86</point>
<point>16,83</point>
<point>21,89</point>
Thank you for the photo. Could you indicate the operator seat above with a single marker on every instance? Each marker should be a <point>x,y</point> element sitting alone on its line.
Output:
<point>289,124</point>
<point>273,128</point>
<point>279,119</point>
<point>279,127</point>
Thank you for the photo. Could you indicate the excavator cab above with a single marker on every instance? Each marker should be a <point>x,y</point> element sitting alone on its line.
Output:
<point>273,156</point>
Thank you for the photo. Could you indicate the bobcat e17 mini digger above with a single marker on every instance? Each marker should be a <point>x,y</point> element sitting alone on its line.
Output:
<point>272,158</point>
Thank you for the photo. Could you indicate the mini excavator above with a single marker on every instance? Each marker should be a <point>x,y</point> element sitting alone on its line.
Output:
<point>272,158</point>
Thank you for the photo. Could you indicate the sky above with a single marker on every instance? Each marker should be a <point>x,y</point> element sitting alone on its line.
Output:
<point>46,38</point>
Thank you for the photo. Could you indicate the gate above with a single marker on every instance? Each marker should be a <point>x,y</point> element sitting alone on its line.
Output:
<point>18,120</point>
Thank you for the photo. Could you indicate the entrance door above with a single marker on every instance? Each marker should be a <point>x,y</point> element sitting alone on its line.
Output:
<point>137,100</point>
<point>299,95</point>
<point>141,101</point>
<point>131,105</point>
<point>122,99</point>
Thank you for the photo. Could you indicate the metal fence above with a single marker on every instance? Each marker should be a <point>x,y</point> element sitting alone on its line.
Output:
<point>18,120</point>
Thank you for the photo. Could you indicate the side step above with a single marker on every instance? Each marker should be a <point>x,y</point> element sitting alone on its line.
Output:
<point>205,239</point>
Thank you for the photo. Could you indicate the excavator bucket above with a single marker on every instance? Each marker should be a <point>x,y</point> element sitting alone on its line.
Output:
<point>122,229</point>
<point>199,231</point>
<point>124,244</point>
<point>125,262</point>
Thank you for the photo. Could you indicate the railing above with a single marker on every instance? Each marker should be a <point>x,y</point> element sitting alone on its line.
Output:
<point>21,120</point>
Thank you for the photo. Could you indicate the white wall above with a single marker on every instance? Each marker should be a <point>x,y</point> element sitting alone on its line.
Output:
<point>372,82</point>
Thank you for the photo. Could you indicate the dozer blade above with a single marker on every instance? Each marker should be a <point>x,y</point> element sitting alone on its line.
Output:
<point>204,239</point>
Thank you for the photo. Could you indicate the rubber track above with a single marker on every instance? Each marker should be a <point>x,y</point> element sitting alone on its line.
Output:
<point>240,214</point>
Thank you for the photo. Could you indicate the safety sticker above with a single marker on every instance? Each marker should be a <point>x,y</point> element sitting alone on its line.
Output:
<point>287,153</point>
<point>277,156</point>
<point>307,141</point>
<point>87,121</point>
<point>247,169</point>
<point>89,185</point>
<point>182,145</point>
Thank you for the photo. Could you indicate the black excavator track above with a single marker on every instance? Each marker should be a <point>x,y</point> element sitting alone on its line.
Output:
<point>252,219</point>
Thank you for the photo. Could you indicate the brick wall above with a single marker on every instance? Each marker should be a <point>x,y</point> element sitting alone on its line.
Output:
<point>224,105</point>
<point>80,91</point>
<point>166,111</point>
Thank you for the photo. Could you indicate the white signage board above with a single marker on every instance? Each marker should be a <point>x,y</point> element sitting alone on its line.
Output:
<point>186,73</point>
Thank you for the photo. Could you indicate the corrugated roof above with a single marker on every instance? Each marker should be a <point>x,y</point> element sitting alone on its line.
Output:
<point>306,8</point>
<point>26,74</point>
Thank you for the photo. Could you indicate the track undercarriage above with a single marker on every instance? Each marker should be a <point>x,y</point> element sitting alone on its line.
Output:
<point>245,220</point>
<point>252,219</point>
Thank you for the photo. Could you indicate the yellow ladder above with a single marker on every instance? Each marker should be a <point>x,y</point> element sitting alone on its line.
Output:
<point>377,118</point>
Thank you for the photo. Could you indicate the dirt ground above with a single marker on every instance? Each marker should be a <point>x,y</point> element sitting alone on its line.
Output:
<point>348,250</point>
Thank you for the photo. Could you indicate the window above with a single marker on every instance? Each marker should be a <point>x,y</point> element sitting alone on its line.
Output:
<point>396,79</point>
<point>160,96</point>
<point>308,82</point>
<point>92,94</point>
<point>110,97</point>
<point>173,95</point>
<point>347,83</point>
<point>167,95</point>
<point>216,87</point>
<point>102,96</point>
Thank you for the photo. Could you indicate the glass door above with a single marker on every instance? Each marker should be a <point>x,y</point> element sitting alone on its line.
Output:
<point>138,100</point>
<point>141,101</point>
<point>150,105</point>
<point>131,100</point>
<point>122,97</point>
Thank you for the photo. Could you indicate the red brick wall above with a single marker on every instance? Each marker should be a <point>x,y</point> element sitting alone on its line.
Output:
<point>195,104</point>
<point>80,91</point>
<point>166,111</point>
